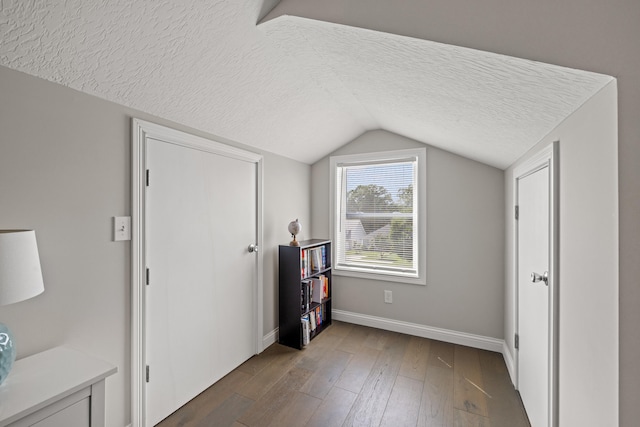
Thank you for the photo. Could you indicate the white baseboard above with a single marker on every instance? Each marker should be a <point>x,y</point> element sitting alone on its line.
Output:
<point>454,337</point>
<point>270,338</point>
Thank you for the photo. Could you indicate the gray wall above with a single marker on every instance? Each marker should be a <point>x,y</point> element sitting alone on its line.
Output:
<point>465,244</point>
<point>65,171</point>
<point>286,197</point>
<point>588,255</point>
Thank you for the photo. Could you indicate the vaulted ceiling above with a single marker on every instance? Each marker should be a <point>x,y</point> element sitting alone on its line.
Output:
<point>291,85</point>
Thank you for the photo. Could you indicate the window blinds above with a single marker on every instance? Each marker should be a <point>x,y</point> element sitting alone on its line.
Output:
<point>377,215</point>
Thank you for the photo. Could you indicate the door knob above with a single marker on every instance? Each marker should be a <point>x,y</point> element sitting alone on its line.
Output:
<point>252,248</point>
<point>535,277</point>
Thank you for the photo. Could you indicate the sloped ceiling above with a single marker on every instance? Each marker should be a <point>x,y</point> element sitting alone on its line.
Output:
<point>293,86</point>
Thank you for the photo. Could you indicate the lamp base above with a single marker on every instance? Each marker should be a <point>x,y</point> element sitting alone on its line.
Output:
<point>7,352</point>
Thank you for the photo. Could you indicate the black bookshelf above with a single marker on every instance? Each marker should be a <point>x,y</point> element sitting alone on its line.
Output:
<point>293,277</point>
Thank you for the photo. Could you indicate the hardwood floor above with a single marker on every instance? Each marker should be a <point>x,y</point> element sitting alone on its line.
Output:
<point>353,375</point>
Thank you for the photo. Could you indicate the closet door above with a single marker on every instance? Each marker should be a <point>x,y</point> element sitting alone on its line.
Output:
<point>201,216</point>
<point>534,296</point>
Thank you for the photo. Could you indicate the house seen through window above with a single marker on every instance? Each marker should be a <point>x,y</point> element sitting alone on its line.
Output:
<point>376,225</point>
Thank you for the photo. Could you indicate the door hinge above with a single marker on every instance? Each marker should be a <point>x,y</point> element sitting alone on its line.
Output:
<point>147,373</point>
<point>147,177</point>
<point>517,212</point>
<point>147,278</point>
<point>516,345</point>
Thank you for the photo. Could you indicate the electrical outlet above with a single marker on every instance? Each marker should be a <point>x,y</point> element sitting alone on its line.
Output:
<point>388,297</point>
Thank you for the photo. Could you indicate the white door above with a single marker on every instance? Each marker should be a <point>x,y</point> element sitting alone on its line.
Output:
<point>533,297</point>
<point>200,219</point>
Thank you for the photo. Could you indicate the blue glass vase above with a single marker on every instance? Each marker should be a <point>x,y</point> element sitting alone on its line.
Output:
<point>7,352</point>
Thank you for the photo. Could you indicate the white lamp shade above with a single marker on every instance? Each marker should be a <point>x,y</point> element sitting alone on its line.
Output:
<point>20,272</point>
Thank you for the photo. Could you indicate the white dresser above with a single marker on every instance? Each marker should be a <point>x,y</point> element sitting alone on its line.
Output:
<point>60,387</point>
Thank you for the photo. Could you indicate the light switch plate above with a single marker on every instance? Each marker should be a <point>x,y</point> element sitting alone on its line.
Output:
<point>121,228</point>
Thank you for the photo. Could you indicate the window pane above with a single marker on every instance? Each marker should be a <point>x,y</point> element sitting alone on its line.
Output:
<point>378,216</point>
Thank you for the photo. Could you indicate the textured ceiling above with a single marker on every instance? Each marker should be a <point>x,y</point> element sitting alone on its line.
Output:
<point>201,63</point>
<point>484,106</point>
<point>297,87</point>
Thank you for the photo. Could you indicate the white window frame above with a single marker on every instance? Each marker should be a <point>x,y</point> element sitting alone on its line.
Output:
<point>421,227</point>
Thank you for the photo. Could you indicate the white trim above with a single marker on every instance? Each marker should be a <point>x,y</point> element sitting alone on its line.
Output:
<point>419,191</point>
<point>141,131</point>
<point>259,297</point>
<point>446,335</point>
<point>270,338</point>
<point>166,134</point>
<point>546,157</point>
<point>138,313</point>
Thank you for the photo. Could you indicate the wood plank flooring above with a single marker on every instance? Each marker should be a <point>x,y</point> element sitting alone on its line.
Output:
<point>352,375</point>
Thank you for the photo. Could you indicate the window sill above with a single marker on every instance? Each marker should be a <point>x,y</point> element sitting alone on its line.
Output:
<point>382,276</point>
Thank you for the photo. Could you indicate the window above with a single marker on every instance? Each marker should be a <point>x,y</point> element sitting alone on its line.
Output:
<point>379,215</point>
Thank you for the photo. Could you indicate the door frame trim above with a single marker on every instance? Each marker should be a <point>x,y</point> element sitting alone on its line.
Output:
<point>545,157</point>
<point>140,131</point>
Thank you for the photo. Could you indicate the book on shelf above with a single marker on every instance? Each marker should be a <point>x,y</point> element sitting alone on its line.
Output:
<point>313,260</point>
<point>303,264</point>
<point>324,284</point>
<point>326,287</point>
<point>317,286</point>
<point>305,295</point>
<point>315,256</point>
<point>312,320</point>
<point>306,330</point>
